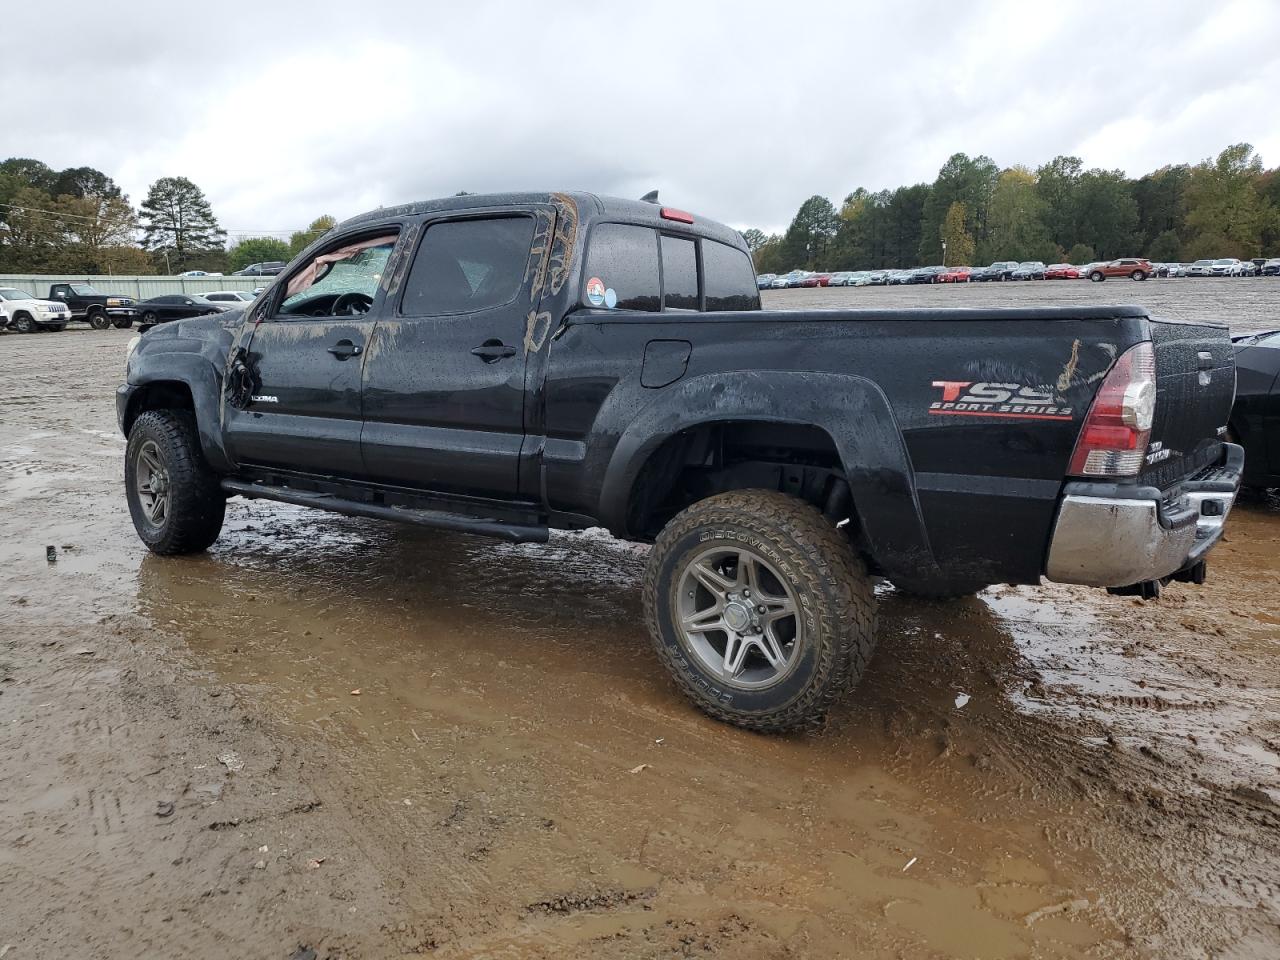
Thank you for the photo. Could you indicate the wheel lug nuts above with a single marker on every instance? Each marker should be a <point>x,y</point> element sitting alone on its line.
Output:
<point>760,609</point>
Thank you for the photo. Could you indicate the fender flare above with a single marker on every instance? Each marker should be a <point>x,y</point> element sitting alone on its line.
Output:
<point>204,382</point>
<point>853,410</point>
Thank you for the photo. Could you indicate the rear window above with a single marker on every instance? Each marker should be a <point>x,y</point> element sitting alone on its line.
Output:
<point>622,268</point>
<point>679,274</point>
<point>464,266</point>
<point>729,278</point>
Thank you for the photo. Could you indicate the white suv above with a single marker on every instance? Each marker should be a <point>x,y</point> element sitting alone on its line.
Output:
<point>25,314</point>
<point>1227,267</point>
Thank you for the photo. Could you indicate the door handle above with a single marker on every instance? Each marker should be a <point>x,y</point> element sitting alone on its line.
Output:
<point>492,350</point>
<point>345,350</point>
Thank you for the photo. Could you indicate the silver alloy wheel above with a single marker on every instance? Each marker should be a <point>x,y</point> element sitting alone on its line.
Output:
<point>151,480</point>
<point>736,614</point>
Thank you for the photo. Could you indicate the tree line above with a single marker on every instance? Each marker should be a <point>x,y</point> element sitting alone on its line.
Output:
<point>78,221</point>
<point>1225,206</point>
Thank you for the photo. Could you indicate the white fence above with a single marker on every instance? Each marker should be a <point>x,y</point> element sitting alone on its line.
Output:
<point>138,287</point>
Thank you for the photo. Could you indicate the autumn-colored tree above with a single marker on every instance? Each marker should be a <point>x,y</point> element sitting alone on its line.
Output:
<point>957,242</point>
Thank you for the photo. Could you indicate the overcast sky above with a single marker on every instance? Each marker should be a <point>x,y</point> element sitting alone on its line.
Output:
<point>739,111</point>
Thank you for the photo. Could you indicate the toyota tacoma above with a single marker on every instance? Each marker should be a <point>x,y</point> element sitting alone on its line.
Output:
<point>511,364</point>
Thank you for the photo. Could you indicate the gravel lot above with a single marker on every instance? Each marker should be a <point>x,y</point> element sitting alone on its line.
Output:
<point>376,741</point>
<point>1245,304</point>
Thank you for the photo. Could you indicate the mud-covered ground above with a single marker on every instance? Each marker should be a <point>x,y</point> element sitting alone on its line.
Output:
<point>376,741</point>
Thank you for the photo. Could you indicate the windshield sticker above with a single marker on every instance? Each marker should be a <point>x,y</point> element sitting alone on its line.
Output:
<point>611,298</point>
<point>595,291</point>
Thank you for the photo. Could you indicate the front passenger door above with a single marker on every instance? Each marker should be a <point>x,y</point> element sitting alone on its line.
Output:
<point>308,354</point>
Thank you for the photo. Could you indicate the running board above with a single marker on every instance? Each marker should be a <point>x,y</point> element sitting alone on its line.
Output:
<point>439,519</point>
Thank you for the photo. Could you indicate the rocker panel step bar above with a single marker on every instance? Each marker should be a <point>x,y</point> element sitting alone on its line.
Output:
<point>439,519</point>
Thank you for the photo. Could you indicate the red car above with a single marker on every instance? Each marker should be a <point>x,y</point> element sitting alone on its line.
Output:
<point>812,280</point>
<point>1061,271</point>
<point>955,275</point>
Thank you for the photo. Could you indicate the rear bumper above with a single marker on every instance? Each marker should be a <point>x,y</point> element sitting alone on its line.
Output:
<point>1108,535</point>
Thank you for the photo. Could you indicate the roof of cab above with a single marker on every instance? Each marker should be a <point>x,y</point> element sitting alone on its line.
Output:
<point>590,207</point>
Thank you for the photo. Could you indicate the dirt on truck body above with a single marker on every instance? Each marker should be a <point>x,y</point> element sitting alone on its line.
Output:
<point>369,740</point>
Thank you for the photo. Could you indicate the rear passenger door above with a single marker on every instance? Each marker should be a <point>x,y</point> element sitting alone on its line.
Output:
<point>444,387</point>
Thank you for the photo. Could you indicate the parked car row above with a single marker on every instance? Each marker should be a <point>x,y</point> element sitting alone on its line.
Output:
<point>1134,268</point>
<point>22,312</point>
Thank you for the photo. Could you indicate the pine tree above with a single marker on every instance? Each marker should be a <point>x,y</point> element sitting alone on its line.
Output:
<point>177,219</point>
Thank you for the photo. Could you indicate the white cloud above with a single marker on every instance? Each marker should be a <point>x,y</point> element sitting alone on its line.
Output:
<point>736,110</point>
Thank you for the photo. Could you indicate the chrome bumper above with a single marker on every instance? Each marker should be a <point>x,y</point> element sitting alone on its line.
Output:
<point>1108,535</point>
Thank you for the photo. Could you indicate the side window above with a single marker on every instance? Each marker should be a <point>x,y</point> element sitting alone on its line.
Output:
<point>622,268</point>
<point>341,280</point>
<point>467,265</point>
<point>679,274</point>
<point>729,278</point>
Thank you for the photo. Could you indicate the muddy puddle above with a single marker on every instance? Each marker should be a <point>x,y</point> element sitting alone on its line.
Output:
<point>453,747</point>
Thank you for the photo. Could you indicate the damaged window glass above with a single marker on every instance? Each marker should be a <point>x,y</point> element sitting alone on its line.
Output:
<point>467,265</point>
<point>340,281</point>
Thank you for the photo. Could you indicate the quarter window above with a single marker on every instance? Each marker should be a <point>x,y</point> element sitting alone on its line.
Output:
<point>679,274</point>
<point>624,259</point>
<point>463,266</point>
<point>729,278</point>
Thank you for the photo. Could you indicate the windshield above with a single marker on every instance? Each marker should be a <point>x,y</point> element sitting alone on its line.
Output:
<point>354,269</point>
<point>83,290</point>
<point>1225,263</point>
<point>11,293</point>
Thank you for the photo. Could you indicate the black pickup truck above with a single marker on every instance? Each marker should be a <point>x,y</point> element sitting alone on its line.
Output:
<point>99,310</point>
<point>510,364</point>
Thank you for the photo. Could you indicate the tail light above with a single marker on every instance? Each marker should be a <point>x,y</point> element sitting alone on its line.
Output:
<point>679,216</point>
<point>1114,438</point>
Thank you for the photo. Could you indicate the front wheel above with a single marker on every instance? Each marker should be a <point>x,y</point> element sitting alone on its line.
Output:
<point>24,324</point>
<point>1097,276</point>
<point>99,320</point>
<point>149,318</point>
<point>760,609</point>
<point>174,496</point>
<point>124,324</point>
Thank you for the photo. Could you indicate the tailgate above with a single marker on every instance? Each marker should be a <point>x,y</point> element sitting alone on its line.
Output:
<point>1195,387</point>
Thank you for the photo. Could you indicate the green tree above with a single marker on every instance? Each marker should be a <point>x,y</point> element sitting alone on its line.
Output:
<point>1165,248</point>
<point>1057,187</point>
<point>768,256</point>
<point>808,239</point>
<point>256,250</point>
<point>957,242</point>
<point>1081,254</point>
<point>1162,207</point>
<point>1225,215</point>
<point>1108,215</point>
<point>177,220</point>
<point>304,238</point>
<point>1018,230</point>
<point>963,180</point>
<point>754,238</point>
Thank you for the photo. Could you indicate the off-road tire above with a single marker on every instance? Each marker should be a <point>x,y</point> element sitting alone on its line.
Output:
<point>124,324</point>
<point>196,501</point>
<point>23,323</point>
<point>835,597</point>
<point>1097,276</point>
<point>99,320</point>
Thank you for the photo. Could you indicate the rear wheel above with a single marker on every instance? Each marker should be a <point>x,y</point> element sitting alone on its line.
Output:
<point>760,609</point>
<point>174,497</point>
<point>1137,275</point>
<point>99,320</point>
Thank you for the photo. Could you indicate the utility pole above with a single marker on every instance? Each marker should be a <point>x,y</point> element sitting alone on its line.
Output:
<point>944,253</point>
